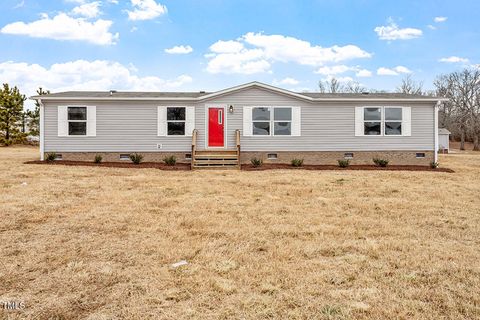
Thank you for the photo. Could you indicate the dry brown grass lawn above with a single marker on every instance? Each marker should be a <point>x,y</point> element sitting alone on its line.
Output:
<point>97,243</point>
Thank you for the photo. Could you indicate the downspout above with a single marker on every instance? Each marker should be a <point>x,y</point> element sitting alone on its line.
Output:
<point>435,138</point>
<point>42,127</point>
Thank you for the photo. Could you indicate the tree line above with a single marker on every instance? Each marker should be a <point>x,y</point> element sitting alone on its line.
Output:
<point>16,124</point>
<point>460,114</point>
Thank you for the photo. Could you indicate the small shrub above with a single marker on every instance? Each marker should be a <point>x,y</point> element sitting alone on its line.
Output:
<point>256,162</point>
<point>434,165</point>
<point>49,157</point>
<point>380,162</point>
<point>343,163</point>
<point>98,158</point>
<point>297,162</point>
<point>136,158</point>
<point>170,160</point>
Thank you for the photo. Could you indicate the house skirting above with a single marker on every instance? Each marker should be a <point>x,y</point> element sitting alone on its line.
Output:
<point>115,156</point>
<point>309,157</point>
<point>332,157</point>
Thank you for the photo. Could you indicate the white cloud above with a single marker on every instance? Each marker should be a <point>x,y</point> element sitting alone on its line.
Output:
<point>363,73</point>
<point>229,46</point>
<point>386,72</point>
<point>88,10</point>
<point>440,19</point>
<point>146,10</point>
<point>287,81</point>
<point>83,75</point>
<point>339,69</point>
<point>393,32</point>
<point>179,50</point>
<point>393,72</point>
<point>431,27</point>
<point>454,59</point>
<point>332,70</point>
<point>64,27</point>
<point>402,69</point>
<point>235,57</point>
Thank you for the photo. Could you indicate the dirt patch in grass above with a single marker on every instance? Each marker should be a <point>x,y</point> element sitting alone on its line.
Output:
<point>144,165</point>
<point>99,243</point>
<point>269,166</point>
<point>246,167</point>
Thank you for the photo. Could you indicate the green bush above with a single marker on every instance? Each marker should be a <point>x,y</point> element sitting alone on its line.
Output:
<point>343,163</point>
<point>49,157</point>
<point>98,158</point>
<point>434,165</point>
<point>170,160</point>
<point>256,162</point>
<point>297,162</point>
<point>380,162</point>
<point>136,158</point>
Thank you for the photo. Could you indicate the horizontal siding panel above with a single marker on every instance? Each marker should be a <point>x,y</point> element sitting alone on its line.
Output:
<point>127,127</point>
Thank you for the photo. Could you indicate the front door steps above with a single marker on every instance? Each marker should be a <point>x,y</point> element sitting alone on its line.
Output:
<point>213,159</point>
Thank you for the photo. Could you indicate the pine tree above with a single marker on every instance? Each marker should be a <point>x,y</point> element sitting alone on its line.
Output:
<point>34,115</point>
<point>11,113</point>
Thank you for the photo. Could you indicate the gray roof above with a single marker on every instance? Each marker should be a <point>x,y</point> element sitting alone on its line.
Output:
<point>199,95</point>
<point>158,95</point>
<point>123,94</point>
<point>443,131</point>
<point>319,95</point>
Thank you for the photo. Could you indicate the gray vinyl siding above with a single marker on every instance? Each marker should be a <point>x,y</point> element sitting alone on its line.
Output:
<point>132,126</point>
<point>121,127</point>
<point>324,126</point>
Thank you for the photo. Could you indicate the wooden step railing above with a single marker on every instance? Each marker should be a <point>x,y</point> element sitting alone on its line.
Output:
<point>194,145</point>
<point>237,141</point>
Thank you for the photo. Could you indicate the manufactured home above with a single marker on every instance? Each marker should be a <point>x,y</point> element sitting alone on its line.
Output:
<point>231,126</point>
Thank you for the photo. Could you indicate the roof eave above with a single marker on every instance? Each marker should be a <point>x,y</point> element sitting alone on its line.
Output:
<point>207,98</point>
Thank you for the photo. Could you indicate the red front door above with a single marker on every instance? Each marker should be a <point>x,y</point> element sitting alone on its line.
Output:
<point>216,122</point>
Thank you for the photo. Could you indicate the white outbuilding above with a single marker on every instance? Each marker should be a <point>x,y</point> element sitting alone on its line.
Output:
<point>443,140</point>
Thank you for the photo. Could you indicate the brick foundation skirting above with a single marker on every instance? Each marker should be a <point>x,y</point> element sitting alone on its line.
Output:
<point>115,156</point>
<point>332,157</point>
<point>309,157</point>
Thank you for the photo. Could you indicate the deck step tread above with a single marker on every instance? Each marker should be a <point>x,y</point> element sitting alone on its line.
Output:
<point>213,159</point>
<point>234,162</point>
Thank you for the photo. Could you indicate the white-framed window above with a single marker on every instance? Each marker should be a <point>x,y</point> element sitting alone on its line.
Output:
<point>176,119</point>
<point>372,121</point>
<point>383,121</point>
<point>77,121</point>
<point>261,121</point>
<point>393,121</point>
<point>272,121</point>
<point>282,121</point>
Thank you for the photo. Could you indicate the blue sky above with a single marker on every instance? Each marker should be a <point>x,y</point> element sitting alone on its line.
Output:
<point>130,44</point>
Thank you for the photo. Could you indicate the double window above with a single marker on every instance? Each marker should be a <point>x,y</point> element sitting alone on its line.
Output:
<point>77,121</point>
<point>275,121</point>
<point>176,117</point>
<point>382,121</point>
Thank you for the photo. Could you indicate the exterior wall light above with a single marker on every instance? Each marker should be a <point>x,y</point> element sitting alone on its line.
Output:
<point>230,109</point>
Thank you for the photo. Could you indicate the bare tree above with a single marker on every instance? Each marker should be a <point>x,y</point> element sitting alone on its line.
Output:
<point>330,85</point>
<point>334,85</point>
<point>463,90</point>
<point>410,86</point>
<point>354,87</point>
